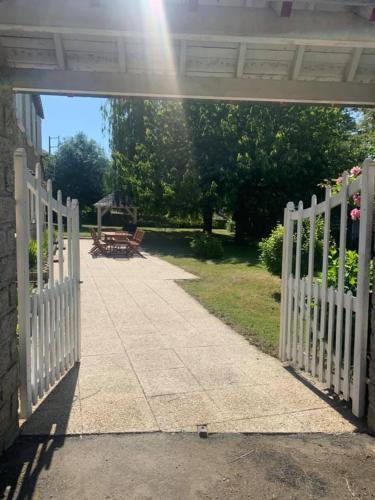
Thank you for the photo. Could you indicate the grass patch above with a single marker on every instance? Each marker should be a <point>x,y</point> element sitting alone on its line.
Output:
<point>237,288</point>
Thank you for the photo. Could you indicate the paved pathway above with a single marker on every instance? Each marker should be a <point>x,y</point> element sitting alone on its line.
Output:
<point>154,359</point>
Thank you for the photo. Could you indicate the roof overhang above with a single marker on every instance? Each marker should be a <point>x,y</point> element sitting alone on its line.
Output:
<point>301,51</point>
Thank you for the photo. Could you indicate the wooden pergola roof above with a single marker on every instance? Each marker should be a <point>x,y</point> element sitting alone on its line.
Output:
<point>109,201</point>
<point>300,50</point>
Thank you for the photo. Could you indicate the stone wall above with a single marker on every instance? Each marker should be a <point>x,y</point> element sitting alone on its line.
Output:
<point>10,139</point>
<point>9,379</point>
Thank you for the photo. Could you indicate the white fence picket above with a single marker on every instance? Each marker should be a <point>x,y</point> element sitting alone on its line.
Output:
<point>316,295</point>
<point>48,315</point>
<point>297,277</point>
<point>302,311</point>
<point>317,322</point>
<point>310,277</point>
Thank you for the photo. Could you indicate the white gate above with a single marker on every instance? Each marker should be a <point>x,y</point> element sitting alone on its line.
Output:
<point>324,330</point>
<point>49,308</point>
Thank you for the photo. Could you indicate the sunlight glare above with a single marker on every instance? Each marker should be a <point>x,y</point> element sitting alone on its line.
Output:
<point>159,46</point>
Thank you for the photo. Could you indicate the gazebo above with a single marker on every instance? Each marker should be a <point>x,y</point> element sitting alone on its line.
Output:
<point>115,204</point>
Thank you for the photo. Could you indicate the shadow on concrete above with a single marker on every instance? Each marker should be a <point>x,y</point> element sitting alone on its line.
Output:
<point>342,407</point>
<point>41,435</point>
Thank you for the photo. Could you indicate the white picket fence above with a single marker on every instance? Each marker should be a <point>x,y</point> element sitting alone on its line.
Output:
<point>323,330</point>
<point>49,312</point>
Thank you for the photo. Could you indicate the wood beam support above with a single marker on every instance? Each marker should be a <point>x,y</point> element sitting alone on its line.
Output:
<point>182,58</point>
<point>234,89</point>
<point>353,64</point>
<point>297,63</point>
<point>241,58</point>
<point>121,54</point>
<point>59,49</point>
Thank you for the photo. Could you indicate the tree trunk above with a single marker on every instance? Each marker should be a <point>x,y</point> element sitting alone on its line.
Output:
<point>207,214</point>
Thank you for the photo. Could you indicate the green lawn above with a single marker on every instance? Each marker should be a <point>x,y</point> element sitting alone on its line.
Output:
<point>236,289</point>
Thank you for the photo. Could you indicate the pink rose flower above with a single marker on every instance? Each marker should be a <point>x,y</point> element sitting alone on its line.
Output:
<point>339,180</point>
<point>355,214</point>
<point>355,171</point>
<point>357,199</point>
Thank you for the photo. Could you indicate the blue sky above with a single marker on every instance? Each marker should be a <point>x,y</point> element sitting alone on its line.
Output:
<point>65,116</point>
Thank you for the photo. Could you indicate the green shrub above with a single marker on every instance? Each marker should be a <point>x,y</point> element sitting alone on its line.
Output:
<point>271,248</point>
<point>33,254</point>
<point>351,270</point>
<point>206,246</point>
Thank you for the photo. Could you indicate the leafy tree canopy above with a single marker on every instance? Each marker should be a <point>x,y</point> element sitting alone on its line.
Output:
<point>244,160</point>
<point>77,169</point>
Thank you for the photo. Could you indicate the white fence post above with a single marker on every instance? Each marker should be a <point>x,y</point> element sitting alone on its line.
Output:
<point>324,294</point>
<point>364,251</point>
<point>22,230</point>
<point>341,281</point>
<point>297,276</point>
<point>286,271</point>
<point>77,278</point>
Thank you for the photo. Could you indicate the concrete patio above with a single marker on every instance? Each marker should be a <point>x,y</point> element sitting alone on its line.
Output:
<point>153,359</point>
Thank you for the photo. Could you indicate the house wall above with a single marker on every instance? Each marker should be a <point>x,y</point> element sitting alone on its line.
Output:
<point>11,137</point>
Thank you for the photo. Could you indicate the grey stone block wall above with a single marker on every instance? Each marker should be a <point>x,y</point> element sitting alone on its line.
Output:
<point>9,378</point>
<point>10,138</point>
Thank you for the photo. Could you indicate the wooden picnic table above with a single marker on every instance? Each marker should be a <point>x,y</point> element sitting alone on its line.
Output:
<point>115,236</point>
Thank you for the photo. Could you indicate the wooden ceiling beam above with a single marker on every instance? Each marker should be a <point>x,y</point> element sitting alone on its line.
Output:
<point>210,24</point>
<point>237,89</point>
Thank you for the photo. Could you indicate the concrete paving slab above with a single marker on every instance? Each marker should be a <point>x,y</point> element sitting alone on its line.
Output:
<point>142,341</point>
<point>179,412</point>
<point>219,376</point>
<point>126,414</point>
<point>54,422</point>
<point>154,359</point>
<point>174,381</point>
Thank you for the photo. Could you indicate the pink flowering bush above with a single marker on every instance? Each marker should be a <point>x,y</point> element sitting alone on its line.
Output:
<point>357,199</point>
<point>355,214</point>
<point>336,184</point>
<point>356,171</point>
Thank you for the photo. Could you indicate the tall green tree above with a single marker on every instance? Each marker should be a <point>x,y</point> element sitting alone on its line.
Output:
<point>151,163</point>
<point>79,165</point>
<point>212,154</point>
<point>243,159</point>
<point>283,153</point>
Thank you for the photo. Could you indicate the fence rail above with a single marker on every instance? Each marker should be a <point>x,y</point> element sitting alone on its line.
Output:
<point>323,330</point>
<point>49,314</point>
